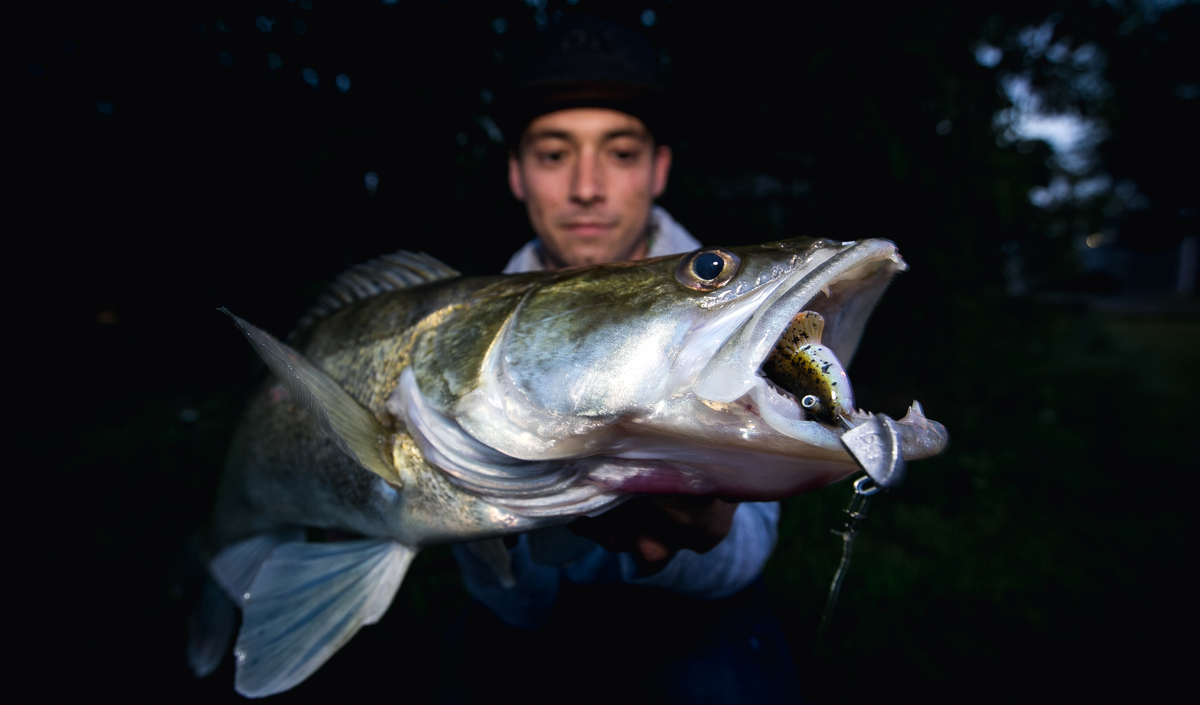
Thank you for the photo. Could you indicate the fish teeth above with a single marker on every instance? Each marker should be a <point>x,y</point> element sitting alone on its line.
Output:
<point>915,414</point>
<point>825,290</point>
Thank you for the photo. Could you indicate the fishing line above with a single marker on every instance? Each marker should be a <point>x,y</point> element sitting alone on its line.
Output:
<point>864,488</point>
<point>875,447</point>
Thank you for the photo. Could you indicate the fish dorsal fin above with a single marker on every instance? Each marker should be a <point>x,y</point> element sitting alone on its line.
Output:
<point>400,270</point>
<point>307,600</point>
<point>352,428</point>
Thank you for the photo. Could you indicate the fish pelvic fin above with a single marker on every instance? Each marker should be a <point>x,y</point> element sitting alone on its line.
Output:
<point>358,433</point>
<point>210,629</point>
<point>231,571</point>
<point>235,566</point>
<point>306,602</point>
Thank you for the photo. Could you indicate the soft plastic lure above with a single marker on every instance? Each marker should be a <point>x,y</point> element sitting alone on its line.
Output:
<point>810,371</point>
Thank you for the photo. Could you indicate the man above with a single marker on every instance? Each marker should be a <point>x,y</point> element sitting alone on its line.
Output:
<point>588,178</point>
<point>586,119</point>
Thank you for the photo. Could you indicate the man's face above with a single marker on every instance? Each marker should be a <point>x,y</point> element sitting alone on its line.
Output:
<point>588,177</point>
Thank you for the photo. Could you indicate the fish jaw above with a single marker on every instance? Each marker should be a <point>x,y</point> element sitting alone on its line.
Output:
<point>749,439</point>
<point>730,400</point>
<point>920,437</point>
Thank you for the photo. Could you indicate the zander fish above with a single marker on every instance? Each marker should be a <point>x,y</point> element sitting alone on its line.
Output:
<point>413,407</point>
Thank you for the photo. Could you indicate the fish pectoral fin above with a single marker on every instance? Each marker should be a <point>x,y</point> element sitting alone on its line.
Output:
<point>352,428</point>
<point>307,600</point>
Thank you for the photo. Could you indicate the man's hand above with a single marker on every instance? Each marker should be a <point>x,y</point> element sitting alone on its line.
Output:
<point>653,529</point>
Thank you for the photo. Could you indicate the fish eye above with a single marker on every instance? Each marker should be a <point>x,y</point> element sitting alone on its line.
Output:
<point>809,401</point>
<point>707,266</point>
<point>707,269</point>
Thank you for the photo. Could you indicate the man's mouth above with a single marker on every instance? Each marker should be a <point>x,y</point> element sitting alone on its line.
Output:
<point>589,227</point>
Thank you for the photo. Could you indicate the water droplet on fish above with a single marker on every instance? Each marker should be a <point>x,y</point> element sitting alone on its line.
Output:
<point>246,597</point>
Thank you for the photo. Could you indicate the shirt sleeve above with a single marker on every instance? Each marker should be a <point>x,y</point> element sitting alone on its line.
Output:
<point>526,604</point>
<point>726,569</point>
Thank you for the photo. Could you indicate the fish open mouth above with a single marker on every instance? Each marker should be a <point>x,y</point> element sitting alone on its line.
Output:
<point>843,290</point>
<point>803,364</point>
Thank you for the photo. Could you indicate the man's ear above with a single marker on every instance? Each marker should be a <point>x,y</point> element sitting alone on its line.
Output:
<point>515,182</point>
<point>662,168</point>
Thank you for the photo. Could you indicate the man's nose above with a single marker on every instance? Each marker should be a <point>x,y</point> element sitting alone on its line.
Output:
<point>587,183</point>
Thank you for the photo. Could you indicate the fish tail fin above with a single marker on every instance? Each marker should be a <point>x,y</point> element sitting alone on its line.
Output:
<point>210,629</point>
<point>306,601</point>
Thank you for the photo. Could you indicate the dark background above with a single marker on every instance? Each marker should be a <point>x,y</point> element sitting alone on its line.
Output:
<point>164,165</point>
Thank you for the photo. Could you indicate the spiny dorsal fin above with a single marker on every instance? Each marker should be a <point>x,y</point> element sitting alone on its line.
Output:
<point>400,270</point>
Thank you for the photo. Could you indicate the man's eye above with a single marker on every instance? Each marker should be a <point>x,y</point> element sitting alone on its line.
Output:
<point>625,156</point>
<point>552,157</point>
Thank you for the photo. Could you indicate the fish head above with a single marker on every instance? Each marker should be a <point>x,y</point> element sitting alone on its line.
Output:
<point>654,368</point>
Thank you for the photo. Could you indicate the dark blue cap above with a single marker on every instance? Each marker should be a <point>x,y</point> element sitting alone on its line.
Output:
<point>584,62</point>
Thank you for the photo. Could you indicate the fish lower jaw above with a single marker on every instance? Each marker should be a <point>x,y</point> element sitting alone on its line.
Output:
<point>920,437</point>
<point>780,410</point>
